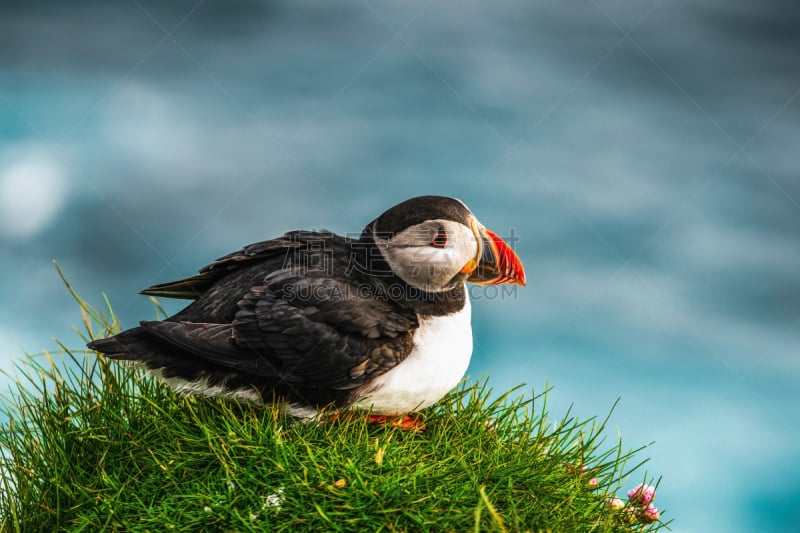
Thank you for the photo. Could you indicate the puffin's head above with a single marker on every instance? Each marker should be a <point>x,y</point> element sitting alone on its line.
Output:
<point>434,243</point>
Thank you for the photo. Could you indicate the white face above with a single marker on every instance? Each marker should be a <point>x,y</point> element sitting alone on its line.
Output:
<point>430,255</point>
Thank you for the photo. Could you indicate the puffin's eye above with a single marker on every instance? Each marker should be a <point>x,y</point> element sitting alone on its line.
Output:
<point>440,240</point>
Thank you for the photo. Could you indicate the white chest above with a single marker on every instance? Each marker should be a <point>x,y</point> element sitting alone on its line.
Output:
<point>442,349</point>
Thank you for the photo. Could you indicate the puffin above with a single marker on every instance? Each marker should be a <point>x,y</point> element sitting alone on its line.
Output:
<point>315,322</point>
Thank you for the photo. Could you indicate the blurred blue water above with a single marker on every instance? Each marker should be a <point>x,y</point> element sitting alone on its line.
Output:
<point>645,154</point>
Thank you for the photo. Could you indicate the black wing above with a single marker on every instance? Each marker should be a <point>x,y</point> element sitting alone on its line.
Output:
<point>195,286</point>
<point>311,331</point>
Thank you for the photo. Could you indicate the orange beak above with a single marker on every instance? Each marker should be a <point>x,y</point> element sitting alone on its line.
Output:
<point>497,263</point>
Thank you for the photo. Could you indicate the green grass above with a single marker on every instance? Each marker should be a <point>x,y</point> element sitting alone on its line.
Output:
<point>94,445</point>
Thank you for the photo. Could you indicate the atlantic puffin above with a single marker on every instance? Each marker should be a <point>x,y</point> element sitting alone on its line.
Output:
<point>311,320</point>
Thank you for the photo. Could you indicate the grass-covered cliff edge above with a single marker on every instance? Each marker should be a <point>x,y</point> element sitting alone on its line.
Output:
<point>94,445</point>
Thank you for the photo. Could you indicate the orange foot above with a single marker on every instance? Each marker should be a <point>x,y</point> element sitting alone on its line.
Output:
<point>405,423</point>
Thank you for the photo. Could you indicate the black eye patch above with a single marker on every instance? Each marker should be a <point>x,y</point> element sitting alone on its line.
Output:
<point>440,239</point>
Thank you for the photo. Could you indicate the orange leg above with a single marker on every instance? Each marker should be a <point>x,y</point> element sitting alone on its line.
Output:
<point>405,423</point>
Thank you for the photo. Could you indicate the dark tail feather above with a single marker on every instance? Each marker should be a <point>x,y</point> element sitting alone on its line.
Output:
<point>188,289</point>
<point>127,345</point>
<point>136,344</point>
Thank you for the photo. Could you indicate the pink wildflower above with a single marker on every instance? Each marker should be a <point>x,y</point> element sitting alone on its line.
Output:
<point>593,483</point>
<point>642,494</point>
<point>649,514</point>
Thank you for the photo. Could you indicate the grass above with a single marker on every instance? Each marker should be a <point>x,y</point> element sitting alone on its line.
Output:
<point>93,445</point>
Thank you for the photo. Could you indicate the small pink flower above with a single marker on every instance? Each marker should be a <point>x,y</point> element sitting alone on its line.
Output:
<point>642,494</point>
<point>649,514</point>
<point>615,503</point>
<point>593,483</point>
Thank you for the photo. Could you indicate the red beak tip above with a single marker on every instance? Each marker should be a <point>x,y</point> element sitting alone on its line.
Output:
<point>508,265</point>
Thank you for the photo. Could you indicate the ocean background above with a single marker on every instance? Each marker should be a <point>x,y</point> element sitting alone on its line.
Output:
<point>646,155</point>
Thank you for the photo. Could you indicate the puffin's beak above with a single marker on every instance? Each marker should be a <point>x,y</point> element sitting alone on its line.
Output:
<point>498,264</point>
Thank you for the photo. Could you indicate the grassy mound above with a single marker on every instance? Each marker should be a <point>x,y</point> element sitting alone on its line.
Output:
<point>95,445</point>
